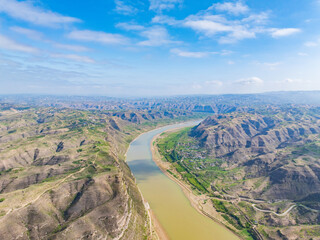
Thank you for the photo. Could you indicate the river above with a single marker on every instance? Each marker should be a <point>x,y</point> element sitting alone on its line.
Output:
<point>166,198</point>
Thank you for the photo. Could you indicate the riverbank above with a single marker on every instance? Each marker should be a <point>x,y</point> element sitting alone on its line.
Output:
<point>199,202</point>
<point>168,202</point>
<point>157,231</point>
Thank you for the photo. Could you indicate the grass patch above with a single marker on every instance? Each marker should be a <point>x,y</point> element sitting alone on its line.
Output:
<point>194,182</point>
<point>219,206</point>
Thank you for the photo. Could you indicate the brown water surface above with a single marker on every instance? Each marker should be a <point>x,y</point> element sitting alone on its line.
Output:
<point>166,199</point>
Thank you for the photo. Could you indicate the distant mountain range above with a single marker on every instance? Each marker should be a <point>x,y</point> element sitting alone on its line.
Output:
<point>192,103</point>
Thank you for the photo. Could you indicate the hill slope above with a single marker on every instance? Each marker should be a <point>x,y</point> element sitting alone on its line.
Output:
<point>264,165</point>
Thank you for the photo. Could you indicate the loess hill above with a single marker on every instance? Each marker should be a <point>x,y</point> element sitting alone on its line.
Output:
<point>63,173</point>
<point>263,164</point>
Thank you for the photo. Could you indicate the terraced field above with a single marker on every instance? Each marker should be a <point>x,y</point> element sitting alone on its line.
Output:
<point>259,171</point>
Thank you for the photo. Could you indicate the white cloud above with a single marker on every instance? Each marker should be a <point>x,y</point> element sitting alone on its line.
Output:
<point>130,26</point>
<point>32,34</point>
<point>160,5</point>
<point>156,36</point>
<point>26,11</point>
<point>188,54</point>
<point>230,31</point>
<point>257,18</point>
<point>123,8</point>
<point>292,80</point>
<point>225,52</point>
<point>74,57</point>
<point>223,29</point>
<point>75,48</point>
<point>235,8</point>
<point>94,36</point>
<point>249,81</point>
<point>163,19</point>
<point>238,33</point>
<point>212,26</point>
<point>35,35</point>
<point>283,32</point>
<point>9,44</point>
<point>207,27</point>
<point>311,44</point>
<point>270,65</point>
<point>226,29</point>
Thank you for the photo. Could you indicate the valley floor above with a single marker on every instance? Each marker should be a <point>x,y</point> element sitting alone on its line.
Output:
<point>199,202</point>
<point>202,202</point>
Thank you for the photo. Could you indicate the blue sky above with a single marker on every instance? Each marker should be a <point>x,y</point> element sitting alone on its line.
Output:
<point>158,47</point>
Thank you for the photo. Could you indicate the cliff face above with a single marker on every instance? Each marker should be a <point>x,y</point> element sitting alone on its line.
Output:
<point>63,175</point>
<point>282,147</point>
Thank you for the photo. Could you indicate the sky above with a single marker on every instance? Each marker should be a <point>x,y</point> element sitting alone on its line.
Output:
<point>158,47</point>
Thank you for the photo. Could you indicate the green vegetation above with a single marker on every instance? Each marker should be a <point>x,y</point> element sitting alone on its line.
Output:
<point>167,146</point>
<point>194,182</point>
<point>247,234</point>
<point>58,150</point>
<point>172,151</point>
<point>50,179</point>
<point>199,170</point>
<point>179,168</point>
<point>312,149</point>
<point>172,173</point>
<point>211,160</point>
<point>219,206</point>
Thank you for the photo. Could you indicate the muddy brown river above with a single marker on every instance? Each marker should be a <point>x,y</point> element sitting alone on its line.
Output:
<point>166,198</point>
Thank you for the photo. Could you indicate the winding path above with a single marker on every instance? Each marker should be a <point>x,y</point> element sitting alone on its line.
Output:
<point>277,214</point>
<point>51,188</point>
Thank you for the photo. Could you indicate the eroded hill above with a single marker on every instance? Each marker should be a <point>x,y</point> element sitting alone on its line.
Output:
<point>264,164</point>
<point>63,174</point>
